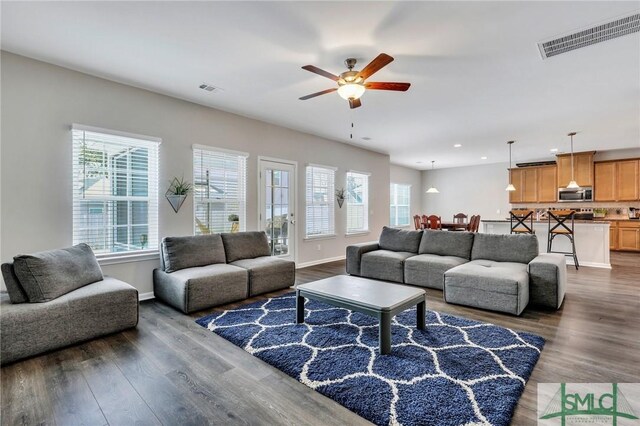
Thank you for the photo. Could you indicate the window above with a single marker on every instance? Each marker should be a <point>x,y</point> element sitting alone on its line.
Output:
<point>320,210</point>
<point>400,204</point>
<point>115,190</point>
<point>357,202</point>
<point>219,190</point>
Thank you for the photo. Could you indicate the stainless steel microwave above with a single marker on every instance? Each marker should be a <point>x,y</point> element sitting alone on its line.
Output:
<point>575,195</point>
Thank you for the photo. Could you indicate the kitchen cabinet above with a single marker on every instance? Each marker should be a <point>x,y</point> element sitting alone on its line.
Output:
<point>582,166</point>
<point>534,184</point>
<point>547,187</point>
<point>617,180</point>
<point>613,236</point>
<point>626,235</point>
<point>627,180</point>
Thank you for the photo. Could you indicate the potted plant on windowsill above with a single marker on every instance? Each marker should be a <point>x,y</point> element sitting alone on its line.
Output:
<point>177,192</point>
<point>340,194</point>
<point>235,222</point>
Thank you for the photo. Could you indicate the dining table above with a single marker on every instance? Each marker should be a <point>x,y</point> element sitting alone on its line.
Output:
<point>450,226</point>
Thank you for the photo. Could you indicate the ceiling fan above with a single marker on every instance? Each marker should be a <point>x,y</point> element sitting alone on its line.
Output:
<point>352,84</point>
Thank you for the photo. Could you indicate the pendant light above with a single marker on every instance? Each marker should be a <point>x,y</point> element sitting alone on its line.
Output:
<point>510,187</point>
<point>573,184</point>
<point>433,189</point>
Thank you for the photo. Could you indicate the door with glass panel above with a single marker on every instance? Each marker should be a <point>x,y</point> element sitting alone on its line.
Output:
<point>277,206</point>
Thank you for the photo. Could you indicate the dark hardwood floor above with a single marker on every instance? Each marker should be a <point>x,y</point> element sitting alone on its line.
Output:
<point>171,371</point>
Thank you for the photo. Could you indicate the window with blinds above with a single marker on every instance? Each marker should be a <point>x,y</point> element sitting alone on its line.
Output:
<point>400,196</point>
<point>357,202</point>
<point>115,190</point>
<point>219,189</point>
<point>320,212</point>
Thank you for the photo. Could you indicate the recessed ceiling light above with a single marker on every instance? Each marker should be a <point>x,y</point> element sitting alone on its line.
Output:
<point>554,150</point>
<point>418,162</point>
<point>366,138</point>
<point>483,158</point>
<point>458,145</point>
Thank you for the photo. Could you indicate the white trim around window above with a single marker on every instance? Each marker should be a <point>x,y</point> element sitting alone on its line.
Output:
<point>357,202</point>
<point>400,205</point>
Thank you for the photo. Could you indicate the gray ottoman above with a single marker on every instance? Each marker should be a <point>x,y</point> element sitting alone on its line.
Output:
<point>487,284</point>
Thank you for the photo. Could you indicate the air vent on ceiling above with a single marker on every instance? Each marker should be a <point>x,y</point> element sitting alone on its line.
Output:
<point>596,34</point>
<point>210,88</point>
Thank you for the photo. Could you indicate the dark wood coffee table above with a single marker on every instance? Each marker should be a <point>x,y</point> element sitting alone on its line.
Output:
<point>380,299</point>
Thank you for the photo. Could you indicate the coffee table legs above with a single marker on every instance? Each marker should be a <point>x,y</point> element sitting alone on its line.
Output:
<point>384,333</point>
<point>420,315</point>
<point>299,308</point>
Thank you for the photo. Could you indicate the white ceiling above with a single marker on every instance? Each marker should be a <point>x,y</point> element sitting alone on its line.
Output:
<point>477,77</point>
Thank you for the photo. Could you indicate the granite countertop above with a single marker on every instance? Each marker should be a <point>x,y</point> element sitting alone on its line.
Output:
<point>595,221</point>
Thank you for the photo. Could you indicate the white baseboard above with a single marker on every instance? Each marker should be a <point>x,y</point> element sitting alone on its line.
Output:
<point>146,296</point>
<point>590,264</point>
<point>319,262</point>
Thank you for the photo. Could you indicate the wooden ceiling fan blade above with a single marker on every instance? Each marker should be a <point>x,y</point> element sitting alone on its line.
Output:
<point>355,103</point>
<point>313,95</point>
<point>376,65</point>
<point>399,87</point>
<point>321,72</point>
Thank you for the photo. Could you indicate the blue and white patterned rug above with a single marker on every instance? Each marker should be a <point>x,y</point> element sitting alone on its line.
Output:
<point>456,372</point>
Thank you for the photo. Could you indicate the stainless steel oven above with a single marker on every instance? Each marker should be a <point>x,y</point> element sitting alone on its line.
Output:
<point>575,195</point>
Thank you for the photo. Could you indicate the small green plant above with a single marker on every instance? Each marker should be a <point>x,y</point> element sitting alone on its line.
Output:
<point>600,212</point>
<point>233,218</point>
<point>179,186</point>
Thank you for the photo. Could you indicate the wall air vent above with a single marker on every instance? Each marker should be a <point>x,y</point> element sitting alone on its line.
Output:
<point>586,37</point>
<point>210,88</point>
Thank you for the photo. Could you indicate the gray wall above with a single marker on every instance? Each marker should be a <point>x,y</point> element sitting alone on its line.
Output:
<point>39,103</point>
<point>399,174</point>
<point>470,190</point>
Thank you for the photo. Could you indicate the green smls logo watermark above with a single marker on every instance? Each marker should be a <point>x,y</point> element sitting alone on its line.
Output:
<point>587,403</point>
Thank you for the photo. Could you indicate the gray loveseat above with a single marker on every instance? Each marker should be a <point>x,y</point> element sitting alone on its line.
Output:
<point>497,272</point>
<point>57,298</point>
<point>198,272</point>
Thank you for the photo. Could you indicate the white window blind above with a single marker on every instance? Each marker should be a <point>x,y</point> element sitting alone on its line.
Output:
<point>115,191</point>
<point>220,187</point>
<point>400,196</point>
<point>357,202</point>
<point>320,211</point>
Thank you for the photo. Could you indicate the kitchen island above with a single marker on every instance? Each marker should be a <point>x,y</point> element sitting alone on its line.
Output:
<point>591,236</point>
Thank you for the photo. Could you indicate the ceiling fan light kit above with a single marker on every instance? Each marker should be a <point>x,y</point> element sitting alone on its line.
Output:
<point>352,85</point>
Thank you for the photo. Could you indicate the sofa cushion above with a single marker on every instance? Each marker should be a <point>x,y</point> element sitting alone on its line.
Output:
<point>245,245</point>
<point>384,265</point>
<point>50,274</point>
<point>94,310</point>
<point>15,290</point>
<point>456,244</point>
<point>399,240</point>
<point>193,289</point>
<point>505,248</point>
<point>548,280</point>
<point>188,252</point>
<point>427,270</point>
<point>268,273</point>
<point>486,284</point>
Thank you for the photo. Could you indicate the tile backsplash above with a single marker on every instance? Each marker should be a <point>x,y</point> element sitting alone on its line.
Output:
<point>615,210</point>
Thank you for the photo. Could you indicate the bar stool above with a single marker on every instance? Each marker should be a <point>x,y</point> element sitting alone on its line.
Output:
<point>521,217</point>
<point>560,217</point>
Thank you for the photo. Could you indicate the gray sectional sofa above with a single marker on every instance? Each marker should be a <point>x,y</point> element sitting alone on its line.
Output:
<point>496,272</point>
<point>198,272</point>
<point>60,297</point>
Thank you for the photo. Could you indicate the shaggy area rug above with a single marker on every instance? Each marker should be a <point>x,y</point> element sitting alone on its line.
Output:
<point>455,372</point>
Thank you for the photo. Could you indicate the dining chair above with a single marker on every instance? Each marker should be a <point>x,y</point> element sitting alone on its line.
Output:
<point>460,218</point>
<point>474,223</point>
<point>434,222</point>
<point>417,222</point>
<point>523,221</point>
<point>425,221</point>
